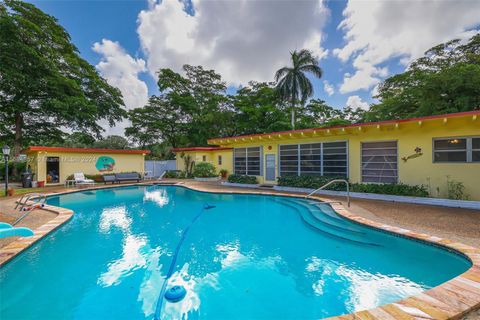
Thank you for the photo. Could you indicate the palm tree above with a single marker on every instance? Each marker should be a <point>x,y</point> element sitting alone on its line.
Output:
<point>292,82</point>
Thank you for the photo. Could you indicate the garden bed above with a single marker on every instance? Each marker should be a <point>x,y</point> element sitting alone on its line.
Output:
<point>386,197</point>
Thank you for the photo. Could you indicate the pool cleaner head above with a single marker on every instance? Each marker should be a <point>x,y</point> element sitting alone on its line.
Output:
<point>175,294</point>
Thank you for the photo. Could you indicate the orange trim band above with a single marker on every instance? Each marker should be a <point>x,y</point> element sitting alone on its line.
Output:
<point>81,150</point>
<point>200,149</point>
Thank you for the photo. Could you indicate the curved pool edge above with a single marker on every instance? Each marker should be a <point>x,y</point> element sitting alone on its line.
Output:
<point>450,300</point>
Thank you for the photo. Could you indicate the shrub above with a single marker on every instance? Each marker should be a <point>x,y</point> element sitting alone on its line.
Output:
<point>171,174</point>
<point>16,167</point>
<point>398,189</point>
<point>94,177</point>
<point>175,174</point>
<point>223,173</point>
<point>456,190</point>
<point>204,170</point>
<point>237,178</point>
<point>314,182</point>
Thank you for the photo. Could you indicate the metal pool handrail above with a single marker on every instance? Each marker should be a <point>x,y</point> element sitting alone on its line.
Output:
<point>332,182</point>
<point>36,197</point>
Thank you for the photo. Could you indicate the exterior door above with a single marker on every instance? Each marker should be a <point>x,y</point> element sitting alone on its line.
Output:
<point>270,167</point>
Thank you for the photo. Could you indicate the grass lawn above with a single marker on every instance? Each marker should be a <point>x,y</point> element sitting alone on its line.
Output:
<point>22,191</point>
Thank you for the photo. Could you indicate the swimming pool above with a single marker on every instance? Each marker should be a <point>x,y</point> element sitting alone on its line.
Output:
<point>249,257</point>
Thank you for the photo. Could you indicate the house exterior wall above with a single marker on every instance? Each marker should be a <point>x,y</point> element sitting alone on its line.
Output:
<point>72,162</point>
<point>210,156</point>
<point>421,170</point>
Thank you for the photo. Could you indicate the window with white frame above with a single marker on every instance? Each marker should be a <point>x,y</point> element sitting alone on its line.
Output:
<point>456,149</point>
<point>289,160</point>
<point>322,158</point>
<point>379,162</point>
<point>476,149</point>
<point>247,161</point>
<point>335,161</point>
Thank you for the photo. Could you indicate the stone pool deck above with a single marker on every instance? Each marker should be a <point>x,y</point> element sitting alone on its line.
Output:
<point>458,298</point>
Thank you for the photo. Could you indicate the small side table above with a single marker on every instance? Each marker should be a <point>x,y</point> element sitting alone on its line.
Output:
<point>69,183</point>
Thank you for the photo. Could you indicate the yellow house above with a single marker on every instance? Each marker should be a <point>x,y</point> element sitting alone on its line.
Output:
<point>54,164</point>
<point>220,157</point>
<point>426,151</point>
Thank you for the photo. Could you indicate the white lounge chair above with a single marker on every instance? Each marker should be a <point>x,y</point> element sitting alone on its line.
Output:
<point>80,179</point>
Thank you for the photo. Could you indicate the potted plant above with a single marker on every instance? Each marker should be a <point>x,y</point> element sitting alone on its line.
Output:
<point>10,192</point>
<point>224,173</point>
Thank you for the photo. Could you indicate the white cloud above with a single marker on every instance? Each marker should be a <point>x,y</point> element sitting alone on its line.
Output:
<point>121,71</point>
<point>357,102</point>
<point>243,40</point>
<point>376,31</point>
<point>328,88</point>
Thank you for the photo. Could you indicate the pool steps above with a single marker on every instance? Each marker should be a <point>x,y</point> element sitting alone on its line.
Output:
<point>325,213</point>
<point>333,222</point>
<point>326,224</point>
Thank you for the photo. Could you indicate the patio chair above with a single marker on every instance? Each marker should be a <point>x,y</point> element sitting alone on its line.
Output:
<point>80,179</point>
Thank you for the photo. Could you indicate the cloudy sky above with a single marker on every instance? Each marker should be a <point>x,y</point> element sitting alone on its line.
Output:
<point>358,43</point>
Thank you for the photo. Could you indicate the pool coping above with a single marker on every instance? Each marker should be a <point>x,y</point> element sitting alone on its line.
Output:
<point>450,300</point>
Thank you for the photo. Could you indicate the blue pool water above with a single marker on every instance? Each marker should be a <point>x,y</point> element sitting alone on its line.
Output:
<point>249,257</point>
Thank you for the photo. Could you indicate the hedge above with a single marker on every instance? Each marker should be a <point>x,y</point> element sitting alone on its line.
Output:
<point>204,170</point>
<point>237,178</point>
<point>314,182</point>
<point>94,177</point>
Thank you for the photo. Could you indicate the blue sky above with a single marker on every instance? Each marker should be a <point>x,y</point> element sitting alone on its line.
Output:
<point>359,43</point>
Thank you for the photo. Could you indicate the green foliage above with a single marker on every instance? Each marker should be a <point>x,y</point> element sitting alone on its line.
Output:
<point>398,189</point>
<point>293,86</point>
<point>189,165</point>
<point>44,83</point>
<point>95,177</point>
<point>112,142</point>
<point>15,168</point>
<point>204,170</point>
<point>78,140</point>
<point>189,110</point>
<point>258,109</point>
<point>445,80</point>
<point>237,178</point>
<point>456,190</point>
<point>314,182</point>
<point>159,151</point>
<point>175,174</point>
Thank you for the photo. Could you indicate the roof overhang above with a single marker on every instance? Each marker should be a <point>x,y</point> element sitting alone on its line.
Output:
<point>203,149</point>
<point>33,149</point>
<point>343,129</point>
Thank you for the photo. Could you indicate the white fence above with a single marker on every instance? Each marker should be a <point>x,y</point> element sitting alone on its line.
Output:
<point>155,168</point>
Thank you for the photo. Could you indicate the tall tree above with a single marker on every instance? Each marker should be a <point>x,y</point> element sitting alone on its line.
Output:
<point>258,109</point>
<point>44,83</point>
<point>445,80</point>
<point>159,121</point>
<point>112,142</point>
<point>293,84</point>
<point>189,110</point>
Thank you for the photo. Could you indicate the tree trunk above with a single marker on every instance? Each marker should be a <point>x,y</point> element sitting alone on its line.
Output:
<point>17,145</point>
<point>293,112</point>
<point>293,118</point>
